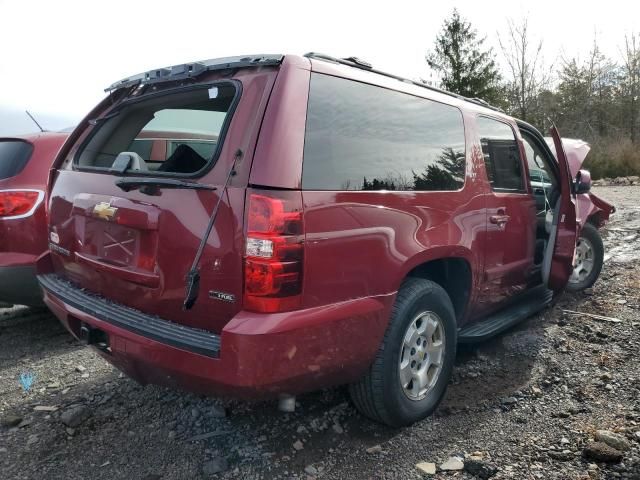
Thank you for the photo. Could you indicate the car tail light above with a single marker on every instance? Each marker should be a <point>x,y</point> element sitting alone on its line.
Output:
<point>19,203</point>
<point>274,250</point>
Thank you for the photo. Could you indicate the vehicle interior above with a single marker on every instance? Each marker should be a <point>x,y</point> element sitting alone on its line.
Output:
<point>544,184</point>
<point>165,134</point>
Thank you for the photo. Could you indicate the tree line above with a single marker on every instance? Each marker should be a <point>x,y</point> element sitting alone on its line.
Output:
<point>595,98</point>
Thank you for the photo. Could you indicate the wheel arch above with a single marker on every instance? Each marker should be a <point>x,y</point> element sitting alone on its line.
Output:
<point>454,274</point>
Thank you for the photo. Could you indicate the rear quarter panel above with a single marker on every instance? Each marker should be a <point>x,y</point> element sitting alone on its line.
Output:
<point>22,240</point>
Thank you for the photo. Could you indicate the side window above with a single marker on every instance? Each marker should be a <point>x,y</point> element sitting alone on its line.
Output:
<point>536,162</point>
<point>501,155</point>
<point>363,137</point>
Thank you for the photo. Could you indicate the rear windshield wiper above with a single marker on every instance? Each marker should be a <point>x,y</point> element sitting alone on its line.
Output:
<point>150,186</point>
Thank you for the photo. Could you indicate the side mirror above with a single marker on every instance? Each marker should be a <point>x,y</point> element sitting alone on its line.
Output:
<point>583,181</point>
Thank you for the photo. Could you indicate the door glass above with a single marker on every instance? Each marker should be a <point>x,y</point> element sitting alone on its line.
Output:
<point>541,181</point>
<point>501,155</point>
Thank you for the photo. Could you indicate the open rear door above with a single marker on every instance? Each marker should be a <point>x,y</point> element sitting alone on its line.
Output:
<point>558,261</point>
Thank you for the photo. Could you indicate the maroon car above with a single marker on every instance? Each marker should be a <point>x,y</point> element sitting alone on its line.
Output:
<point>24,168</point>
<point>349,227</point>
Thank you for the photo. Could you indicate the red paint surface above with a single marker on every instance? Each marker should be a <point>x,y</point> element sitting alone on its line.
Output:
<point>358,247</point>
<point>22,240</point>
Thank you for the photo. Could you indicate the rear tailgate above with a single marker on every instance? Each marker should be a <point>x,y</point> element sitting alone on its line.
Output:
<point>135,247</point>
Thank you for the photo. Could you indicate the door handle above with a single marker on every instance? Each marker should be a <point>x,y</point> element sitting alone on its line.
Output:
<point>499,220</point>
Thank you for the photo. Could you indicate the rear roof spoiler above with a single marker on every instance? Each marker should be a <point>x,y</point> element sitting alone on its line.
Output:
<point>189,70</point>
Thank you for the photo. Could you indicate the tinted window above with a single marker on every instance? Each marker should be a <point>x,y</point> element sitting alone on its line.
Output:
<point>362,137</point>
<point>501,155</point>
<point>14,155</point>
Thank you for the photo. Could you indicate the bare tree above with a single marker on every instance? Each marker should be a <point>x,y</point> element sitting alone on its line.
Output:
<point>631,82</point>
<point>527,74</point>
<point>586,94</point>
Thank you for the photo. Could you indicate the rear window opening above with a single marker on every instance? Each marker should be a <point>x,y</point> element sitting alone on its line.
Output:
<point>14,156</point>
<point>175,134</point>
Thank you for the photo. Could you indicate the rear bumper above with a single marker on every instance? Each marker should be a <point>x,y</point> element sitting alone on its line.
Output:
<point>18,285</point>
<point>256,355</point>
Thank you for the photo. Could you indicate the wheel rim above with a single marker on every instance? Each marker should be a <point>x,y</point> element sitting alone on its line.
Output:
<point>421,355</point>
<point>584,261</point>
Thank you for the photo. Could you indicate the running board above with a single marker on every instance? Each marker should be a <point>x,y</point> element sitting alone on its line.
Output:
<point>524,307</point>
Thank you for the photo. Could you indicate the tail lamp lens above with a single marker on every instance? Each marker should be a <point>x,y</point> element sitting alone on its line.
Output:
<point>14,203</point>
<point>273,252</point>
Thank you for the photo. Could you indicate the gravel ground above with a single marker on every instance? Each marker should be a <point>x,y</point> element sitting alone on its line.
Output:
<point>526,405</point>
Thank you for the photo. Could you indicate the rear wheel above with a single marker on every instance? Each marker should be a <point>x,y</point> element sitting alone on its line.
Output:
<point>588,260</point>
<point>410,373</point>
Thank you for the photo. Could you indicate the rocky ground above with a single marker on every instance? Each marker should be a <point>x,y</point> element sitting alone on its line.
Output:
<point>555,398</point>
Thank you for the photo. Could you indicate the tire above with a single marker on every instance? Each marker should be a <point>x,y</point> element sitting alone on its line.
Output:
<point>380,394</point>
<point>582,279</point>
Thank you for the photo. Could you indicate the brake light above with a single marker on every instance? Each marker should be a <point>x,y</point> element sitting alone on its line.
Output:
<point>14,203</point>
<point>273,251</point>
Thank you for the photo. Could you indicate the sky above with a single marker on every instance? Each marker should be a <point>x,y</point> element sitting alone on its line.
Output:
<point>57,57</point>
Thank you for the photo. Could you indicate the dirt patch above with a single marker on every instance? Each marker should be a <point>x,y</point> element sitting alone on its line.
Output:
<point>528,402</point>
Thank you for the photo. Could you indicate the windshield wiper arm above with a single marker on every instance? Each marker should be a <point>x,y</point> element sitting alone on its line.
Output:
<point>150,186</point>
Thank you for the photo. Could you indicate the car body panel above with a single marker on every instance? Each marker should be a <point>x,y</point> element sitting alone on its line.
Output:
<point>589,207</point>
<point>567,229</point>
<point>358,246</point>
<point>140,257</point>
<point>24,239</point>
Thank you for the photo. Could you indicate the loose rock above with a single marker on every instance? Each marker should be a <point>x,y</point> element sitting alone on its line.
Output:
<point>10,420</point>
<point>427,468</point>
<point>311,470</point>
<point>601,452</point>
<point>74,416</point>
<point>217,465</point>
<point>613,440</point>
<point>453,463</point>
<point>479,468</point>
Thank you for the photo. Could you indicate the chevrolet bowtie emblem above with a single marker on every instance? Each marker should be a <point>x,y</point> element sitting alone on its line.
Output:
<point>104,210</point>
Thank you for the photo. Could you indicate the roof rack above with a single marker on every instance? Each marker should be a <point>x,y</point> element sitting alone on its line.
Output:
<point>362,65</point>
<point>189,70</point>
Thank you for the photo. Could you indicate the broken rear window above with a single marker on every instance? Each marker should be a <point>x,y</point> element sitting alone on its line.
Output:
<point>176,134</point>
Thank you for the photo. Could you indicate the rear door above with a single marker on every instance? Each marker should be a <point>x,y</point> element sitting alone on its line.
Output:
<point>135,246</point>
<point>558,261</point>
<point>511,215</point>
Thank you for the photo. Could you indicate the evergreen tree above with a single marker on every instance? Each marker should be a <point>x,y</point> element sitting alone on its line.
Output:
<point>465,66</point>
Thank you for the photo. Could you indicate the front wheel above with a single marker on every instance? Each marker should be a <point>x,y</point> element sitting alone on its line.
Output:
<point>588,260</point>
<point>410,373</point>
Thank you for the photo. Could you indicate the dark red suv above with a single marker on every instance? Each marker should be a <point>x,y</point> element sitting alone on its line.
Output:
<point>348,227</point>
<point>24,168</point>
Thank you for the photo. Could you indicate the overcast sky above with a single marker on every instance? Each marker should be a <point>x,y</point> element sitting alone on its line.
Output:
<point>58,56</point>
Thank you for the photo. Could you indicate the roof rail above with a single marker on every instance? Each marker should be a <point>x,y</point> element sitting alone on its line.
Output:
<point>189,70</point>
<point>362,65</point>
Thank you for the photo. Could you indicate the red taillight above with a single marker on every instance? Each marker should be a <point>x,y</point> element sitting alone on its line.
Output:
<point>14,203</point>
<point>273,251</point>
